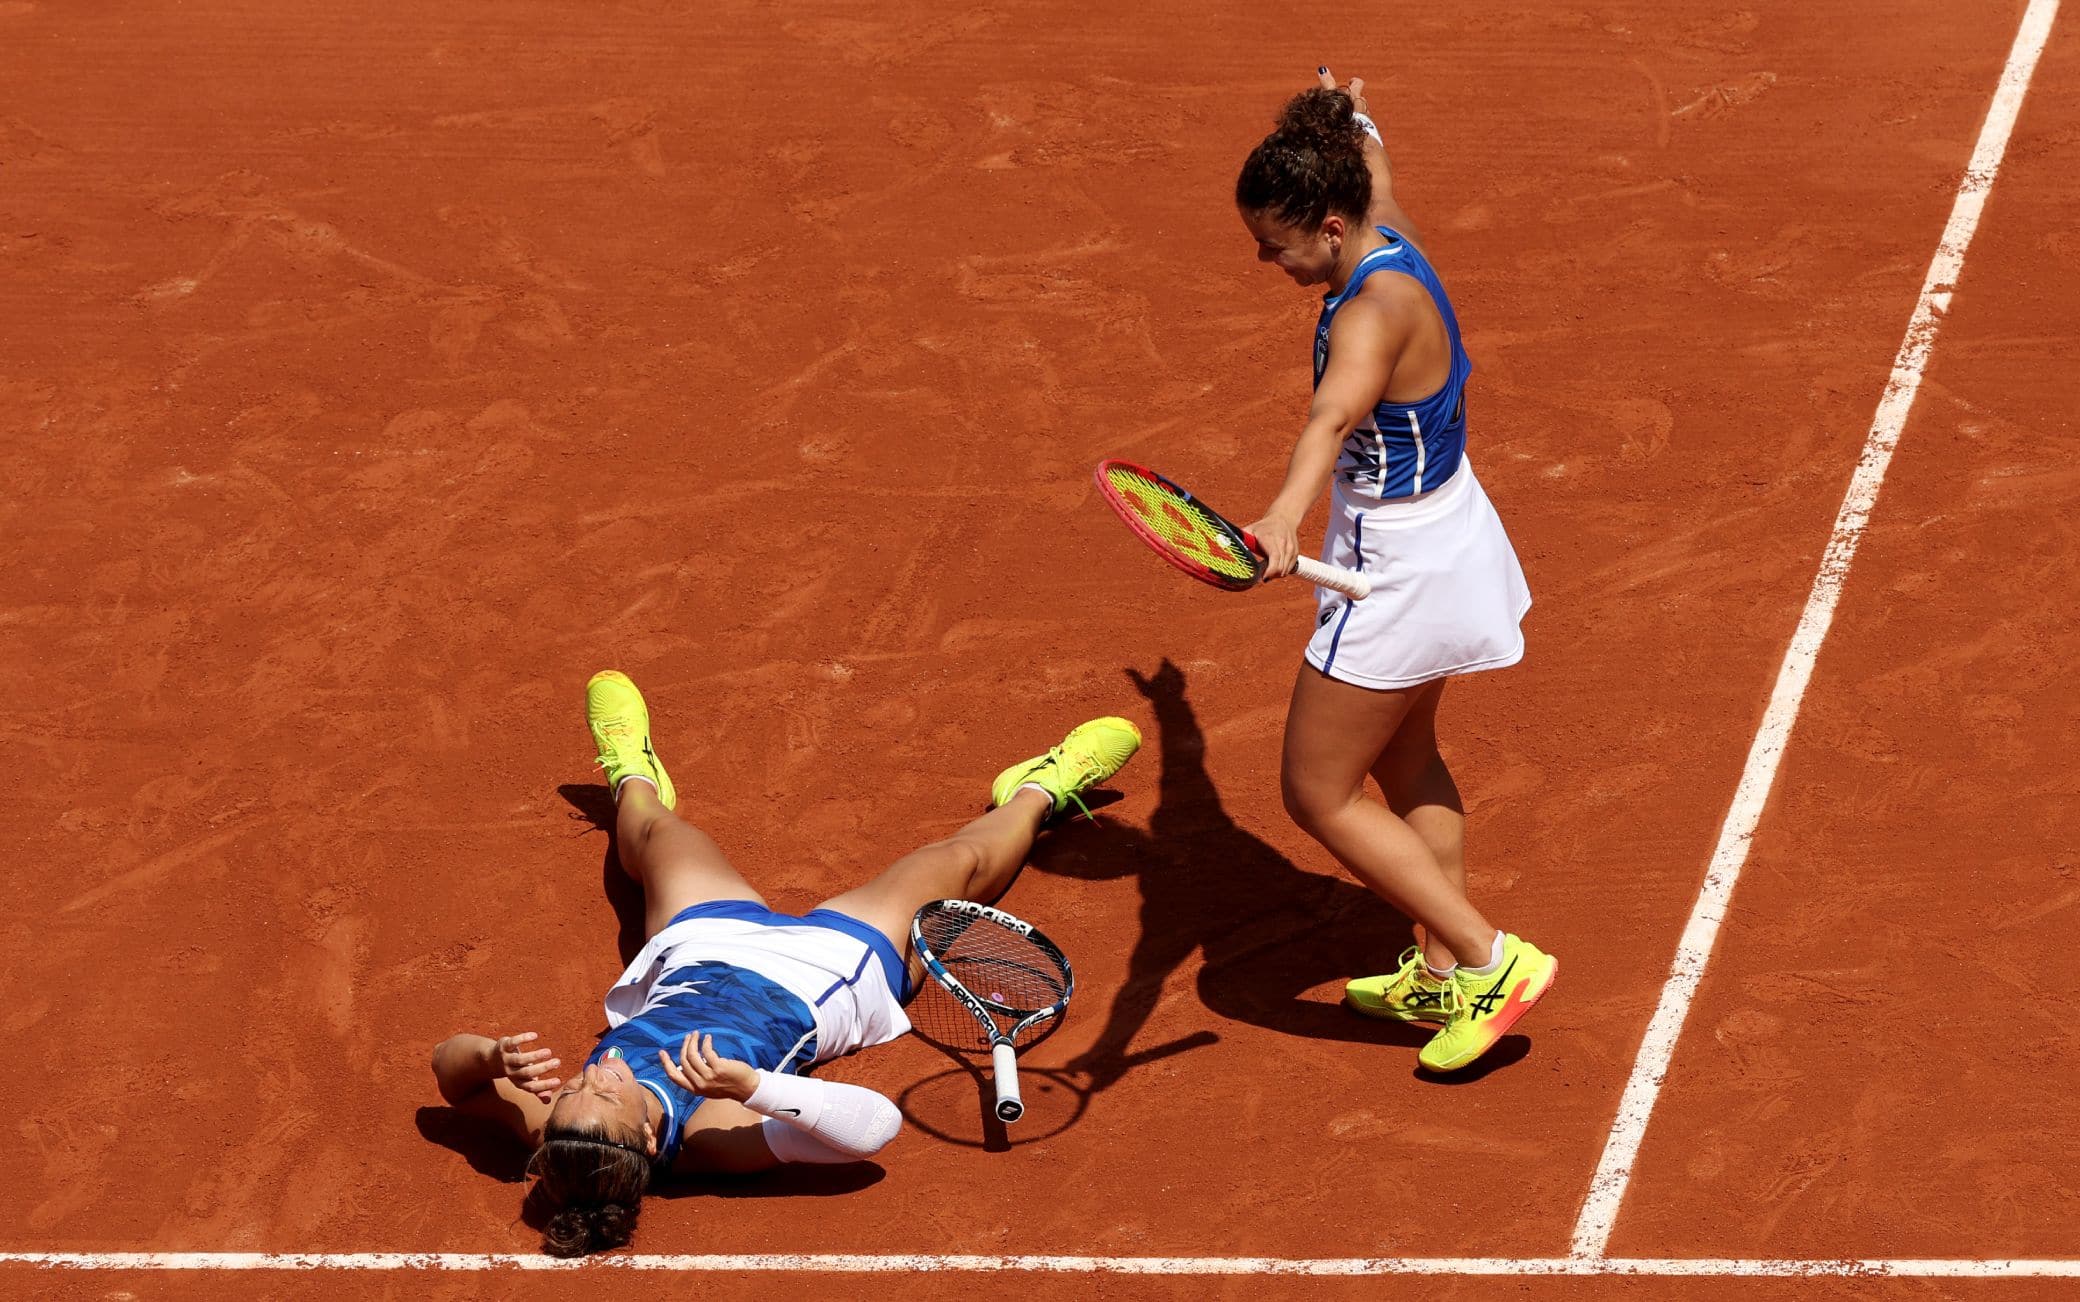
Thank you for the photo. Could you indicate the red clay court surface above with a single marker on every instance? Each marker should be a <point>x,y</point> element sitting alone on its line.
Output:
<point>373,374</point>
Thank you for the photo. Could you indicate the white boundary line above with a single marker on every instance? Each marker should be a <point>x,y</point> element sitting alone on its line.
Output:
<point>847,1263</point>
<point>1592,1231</point>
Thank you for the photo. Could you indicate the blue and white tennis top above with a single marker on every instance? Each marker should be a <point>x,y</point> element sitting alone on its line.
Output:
<point>777,991</point>
<point>1402,448</point>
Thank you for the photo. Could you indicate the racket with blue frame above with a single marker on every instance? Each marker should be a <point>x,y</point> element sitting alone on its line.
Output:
<point>1009,985</point>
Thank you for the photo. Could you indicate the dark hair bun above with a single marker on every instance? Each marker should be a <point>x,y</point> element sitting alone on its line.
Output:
<point>579,1231</point>
<point>1311,165</point>
<point>1322,117</point>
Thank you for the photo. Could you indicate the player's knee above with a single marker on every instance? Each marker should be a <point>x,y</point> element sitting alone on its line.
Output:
<point>1311,803</point>
<point>1408,773</point>
<point>962,861</point>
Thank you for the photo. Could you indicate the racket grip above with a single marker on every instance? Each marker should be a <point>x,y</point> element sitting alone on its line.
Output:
<point>1350,583</point>
<point>1004,1067</point>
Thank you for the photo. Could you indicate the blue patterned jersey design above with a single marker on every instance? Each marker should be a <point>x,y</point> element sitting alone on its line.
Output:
<point>1402,448</point>
<point>752,1019</point>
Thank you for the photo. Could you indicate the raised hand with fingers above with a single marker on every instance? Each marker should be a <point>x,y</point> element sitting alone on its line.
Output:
<point>1356,88</point>
<point>708,1073</point>
<point>530,1069</point>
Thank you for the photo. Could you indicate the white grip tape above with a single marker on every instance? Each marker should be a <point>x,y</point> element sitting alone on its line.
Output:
<point>1348,582</point>
<point>1004,1066</point>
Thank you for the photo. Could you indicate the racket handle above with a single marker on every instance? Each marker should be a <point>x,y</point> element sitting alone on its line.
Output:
<point>1004,1067</point>
<point>1350,583</point>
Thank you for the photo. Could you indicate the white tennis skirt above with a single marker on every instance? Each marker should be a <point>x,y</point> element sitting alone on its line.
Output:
<point>1448,596</point>
<point>849,974</point>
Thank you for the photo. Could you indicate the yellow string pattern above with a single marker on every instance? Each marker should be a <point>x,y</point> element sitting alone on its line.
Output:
<point>1185,526</point>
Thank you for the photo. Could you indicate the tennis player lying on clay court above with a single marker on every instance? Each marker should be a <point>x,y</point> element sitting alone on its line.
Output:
<point>729,1000</point>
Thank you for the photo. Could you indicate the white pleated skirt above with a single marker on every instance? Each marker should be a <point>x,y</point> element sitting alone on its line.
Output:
<point>1448,596</point>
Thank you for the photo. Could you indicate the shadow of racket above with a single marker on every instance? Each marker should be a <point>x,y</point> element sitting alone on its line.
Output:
<point>943,1105</point>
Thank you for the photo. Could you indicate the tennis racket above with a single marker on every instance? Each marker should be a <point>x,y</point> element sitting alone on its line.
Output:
<point>1200,540</point>
<point>1008,984</point>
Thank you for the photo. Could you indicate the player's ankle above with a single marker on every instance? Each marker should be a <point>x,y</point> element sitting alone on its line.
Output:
<point>621,786</point>
<point>1493,962</point>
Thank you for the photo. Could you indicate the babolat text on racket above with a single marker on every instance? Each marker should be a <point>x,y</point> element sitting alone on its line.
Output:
<point>1200,540</point>
<point>1009,985</point>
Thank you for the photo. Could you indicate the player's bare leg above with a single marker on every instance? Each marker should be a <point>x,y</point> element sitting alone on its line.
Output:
<point>677,864</point>
<point>1418,787</point>
<point>1335,733</point>
<point>979,862</point>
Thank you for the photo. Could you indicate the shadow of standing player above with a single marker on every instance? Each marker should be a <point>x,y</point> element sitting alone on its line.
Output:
<point>1270,931</point>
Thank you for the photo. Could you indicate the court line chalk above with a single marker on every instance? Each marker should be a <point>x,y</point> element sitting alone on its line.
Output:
<point>917,1263</point>
<point>1592,1231</point>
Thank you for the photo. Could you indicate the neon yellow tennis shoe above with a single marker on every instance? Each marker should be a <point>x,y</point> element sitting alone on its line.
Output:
<point>1480,1008</point>
<point>620,725</point>
<point>1091,753</point>
<point>1407,994</point>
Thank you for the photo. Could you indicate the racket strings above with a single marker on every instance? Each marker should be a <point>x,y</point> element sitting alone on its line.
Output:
<point>1013,976</point>
<point>1182,523</point>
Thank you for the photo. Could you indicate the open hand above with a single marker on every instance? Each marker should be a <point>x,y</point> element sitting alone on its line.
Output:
<point>708,1073</point>
<point>531,1069</point>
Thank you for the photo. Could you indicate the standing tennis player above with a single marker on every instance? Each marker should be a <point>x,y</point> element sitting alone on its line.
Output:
<point>1387,434</point>
<point>729,1000</point>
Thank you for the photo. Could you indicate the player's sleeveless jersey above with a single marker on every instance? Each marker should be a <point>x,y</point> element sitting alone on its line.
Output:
<point>777,991</point>
<point>752,1018</point>
<point>1402,448</point>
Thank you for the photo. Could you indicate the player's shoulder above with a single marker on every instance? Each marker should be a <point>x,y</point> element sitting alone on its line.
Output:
<point>1385,305</point>
<point>1390,288</point>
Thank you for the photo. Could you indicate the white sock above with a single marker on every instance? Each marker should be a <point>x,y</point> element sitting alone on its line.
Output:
<point>1441,973</point>
<point>1494,959</point>
<point>627,778</point>
<point>1032,786</point>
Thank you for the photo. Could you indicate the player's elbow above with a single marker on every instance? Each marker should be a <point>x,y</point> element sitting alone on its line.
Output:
<point>883,1123</point>
<point>450,1074</point>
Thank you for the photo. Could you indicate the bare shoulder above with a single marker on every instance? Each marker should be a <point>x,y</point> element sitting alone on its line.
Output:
<point>1386,304</point>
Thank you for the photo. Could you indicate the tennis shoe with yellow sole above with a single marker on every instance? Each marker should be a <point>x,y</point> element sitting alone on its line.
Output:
<point>1091,753</point>
<point>620,725</point>
<point>1407,994</point>
<point>1480,1008</point>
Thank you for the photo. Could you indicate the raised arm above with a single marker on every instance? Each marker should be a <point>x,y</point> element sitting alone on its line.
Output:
<point>500,1080</point>
<point>1386,211</point>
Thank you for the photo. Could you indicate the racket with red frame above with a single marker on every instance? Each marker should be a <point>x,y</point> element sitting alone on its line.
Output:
<point>1200,540</point>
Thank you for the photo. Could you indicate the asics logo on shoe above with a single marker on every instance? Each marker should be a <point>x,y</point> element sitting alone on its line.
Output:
<point>1484,1002</point>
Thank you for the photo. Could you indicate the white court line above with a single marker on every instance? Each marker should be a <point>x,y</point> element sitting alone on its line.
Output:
<point>1592,1231</point>
<point>917,1263</point>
